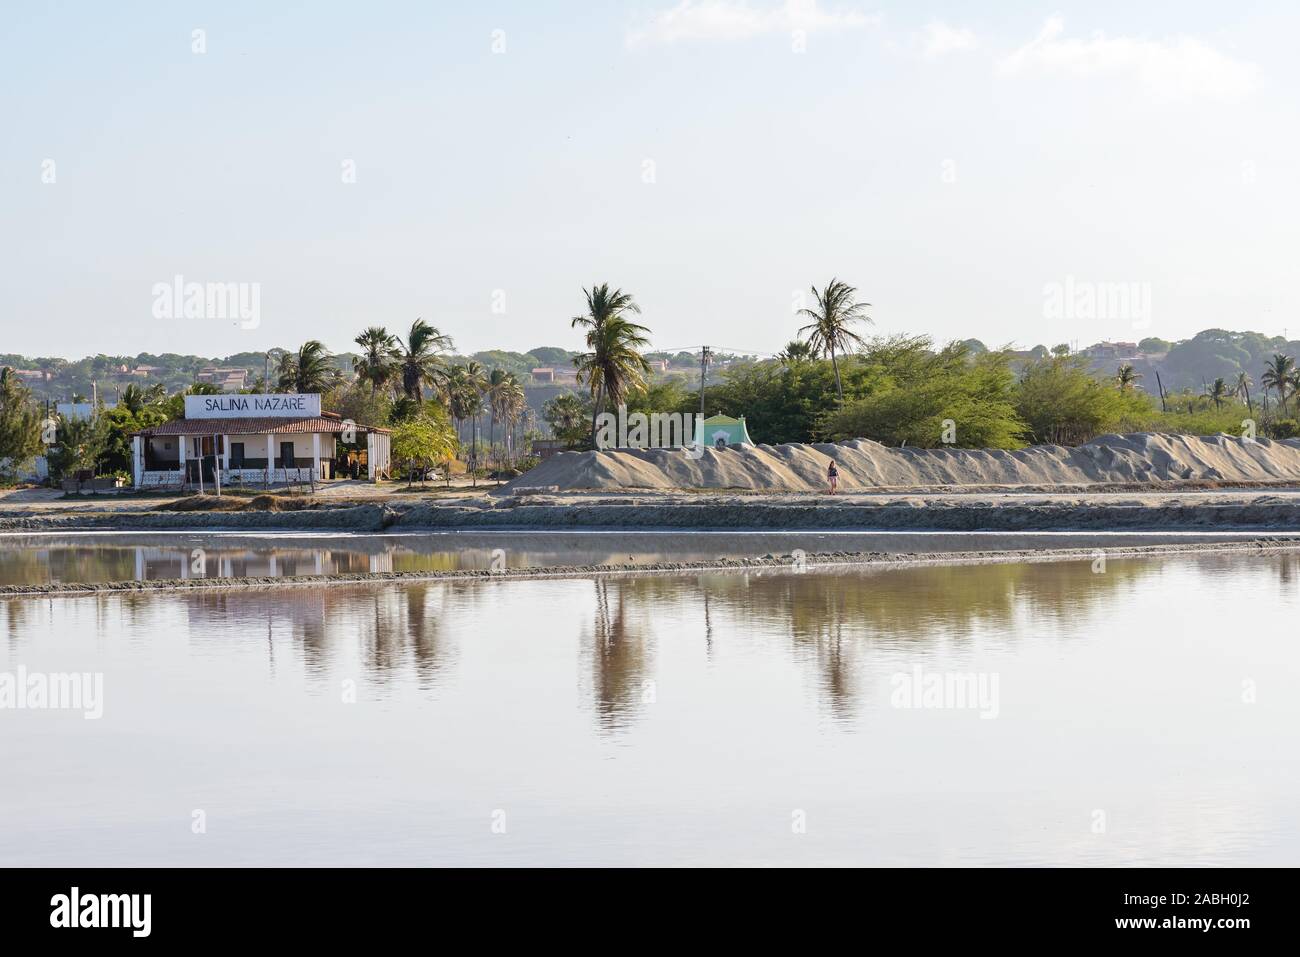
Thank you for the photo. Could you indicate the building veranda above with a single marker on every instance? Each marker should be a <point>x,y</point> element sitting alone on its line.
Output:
<point>257,440</point>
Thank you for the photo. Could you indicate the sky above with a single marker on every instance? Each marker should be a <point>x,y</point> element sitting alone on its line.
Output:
<point>1000,171</point>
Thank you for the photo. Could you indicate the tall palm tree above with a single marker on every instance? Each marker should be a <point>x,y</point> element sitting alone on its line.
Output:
<point>379,358</point>
<point>513,406</point>
<point>504,396</point>
<point>1242,389</point>
<point>492,392</point>
<point>602,372</point>
<point>464,392</point>
<point>1126,377</point>
<point>420,361</point>
<point>1217,392</point>
<point>614,367</point>
<point>831,329</point>
<point>307,370</point>
<point>1279,374</point>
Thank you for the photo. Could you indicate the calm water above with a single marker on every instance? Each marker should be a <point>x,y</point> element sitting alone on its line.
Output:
<point>722,718</point>
<point>36,559</point>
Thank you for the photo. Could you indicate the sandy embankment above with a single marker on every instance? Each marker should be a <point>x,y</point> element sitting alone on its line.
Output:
<point>1141,458</point>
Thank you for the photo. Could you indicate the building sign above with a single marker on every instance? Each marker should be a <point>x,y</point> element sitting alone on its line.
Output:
<point>303,406</point>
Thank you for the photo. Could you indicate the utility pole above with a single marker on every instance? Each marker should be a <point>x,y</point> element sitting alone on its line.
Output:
<point>704,363</point>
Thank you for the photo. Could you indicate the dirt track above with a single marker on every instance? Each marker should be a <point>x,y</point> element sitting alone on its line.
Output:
<point>1018,510</point>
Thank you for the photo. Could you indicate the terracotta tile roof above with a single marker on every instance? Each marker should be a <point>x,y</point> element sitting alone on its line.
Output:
<point>258,426</point>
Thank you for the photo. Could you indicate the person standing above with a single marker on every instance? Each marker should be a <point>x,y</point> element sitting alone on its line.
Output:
<point>833,476</point>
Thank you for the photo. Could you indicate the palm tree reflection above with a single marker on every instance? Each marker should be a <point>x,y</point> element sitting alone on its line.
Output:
<point>618,653</point>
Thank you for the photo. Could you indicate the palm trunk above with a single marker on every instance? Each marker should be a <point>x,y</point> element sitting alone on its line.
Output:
<point>839,389</point>
<point>595,412</point>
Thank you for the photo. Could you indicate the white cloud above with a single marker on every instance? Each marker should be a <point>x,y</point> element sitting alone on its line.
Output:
<point>701,20</point>
<point>941,39</point>
<point>1178,68</point>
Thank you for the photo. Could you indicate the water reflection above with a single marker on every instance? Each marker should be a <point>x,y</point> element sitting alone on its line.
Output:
<point>670,719</point>
<point>618,648</point>
<point>29,559</point>
<point>832,621</point>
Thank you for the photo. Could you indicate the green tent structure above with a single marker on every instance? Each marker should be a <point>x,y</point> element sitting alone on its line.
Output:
<point>722,430</point>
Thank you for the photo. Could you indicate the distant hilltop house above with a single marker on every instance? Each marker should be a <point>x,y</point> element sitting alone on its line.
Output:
<point>33,375</point>
<point>721,430</point>
<point>229,380</point>
<point>555,376</point>
<point>134,372</point>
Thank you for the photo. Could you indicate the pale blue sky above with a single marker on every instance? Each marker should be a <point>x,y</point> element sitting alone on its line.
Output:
<point>948,160</point>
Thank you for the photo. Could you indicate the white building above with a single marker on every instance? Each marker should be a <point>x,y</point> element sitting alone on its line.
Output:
<point>253,439</point>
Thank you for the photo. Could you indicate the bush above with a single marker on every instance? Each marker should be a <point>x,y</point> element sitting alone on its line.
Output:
<point>1062,403</point>
<point>942,399</point>
<point>1284,429</point>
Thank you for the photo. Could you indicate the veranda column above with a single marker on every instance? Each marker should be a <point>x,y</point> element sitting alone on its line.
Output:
<point>137,460</point>
<point>180,449</point>
<point>270,460</point>
<point>315,456</point>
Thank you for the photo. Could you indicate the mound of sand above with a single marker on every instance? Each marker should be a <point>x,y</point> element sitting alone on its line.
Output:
<point>863,464</point>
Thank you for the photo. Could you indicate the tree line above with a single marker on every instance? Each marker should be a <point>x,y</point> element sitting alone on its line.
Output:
<point>829,383</point>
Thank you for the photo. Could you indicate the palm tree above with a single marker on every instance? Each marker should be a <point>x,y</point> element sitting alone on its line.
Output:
<point>514,406</point>
<point>613,364</point>
<point>795,351</point>
<point>464,391</point>
<point>419,360</point>
<point>133,399</point>
<point>1217,392</point>
<point>831,329</point>
<point>379,358</point>
<point>1242,389</point>
<point>286,371</point>
<point>614,367</point>
<point>504,398</point>
<point>307,370</point>
<point>1126,377</point>
<point>1279,374</point>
